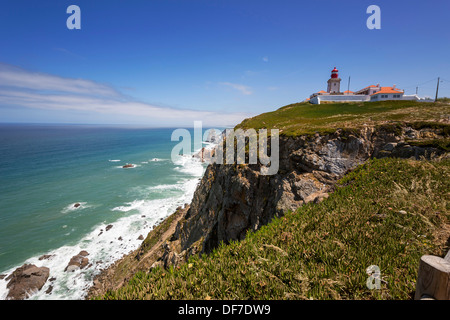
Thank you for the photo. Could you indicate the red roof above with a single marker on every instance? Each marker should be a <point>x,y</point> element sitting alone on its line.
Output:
<point>385,90</point>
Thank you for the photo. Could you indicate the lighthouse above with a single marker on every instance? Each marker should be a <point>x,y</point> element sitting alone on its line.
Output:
<point>334,83</point>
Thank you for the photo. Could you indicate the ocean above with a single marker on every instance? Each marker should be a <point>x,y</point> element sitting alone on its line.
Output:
<point>45,170</point>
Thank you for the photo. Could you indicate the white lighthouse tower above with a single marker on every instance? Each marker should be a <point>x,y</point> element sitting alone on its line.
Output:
<point>334,83</point>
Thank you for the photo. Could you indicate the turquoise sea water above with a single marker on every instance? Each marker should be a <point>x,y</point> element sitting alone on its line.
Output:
<point>46,169</point>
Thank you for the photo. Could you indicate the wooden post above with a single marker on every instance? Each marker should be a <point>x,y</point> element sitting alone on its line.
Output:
<point>433,278</point>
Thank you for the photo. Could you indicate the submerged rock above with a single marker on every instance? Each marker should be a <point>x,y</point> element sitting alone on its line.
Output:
<point>25,280</point>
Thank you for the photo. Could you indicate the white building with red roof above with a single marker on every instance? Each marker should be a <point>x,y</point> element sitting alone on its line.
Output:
<point>369,93</point>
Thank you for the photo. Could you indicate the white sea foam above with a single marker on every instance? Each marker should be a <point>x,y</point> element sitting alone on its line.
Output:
<point>153,192</point>
<point>189,165</point>
<point>114,160</point>
<point>164,187</point>
<point>104,247</point>
<point>130,206</point>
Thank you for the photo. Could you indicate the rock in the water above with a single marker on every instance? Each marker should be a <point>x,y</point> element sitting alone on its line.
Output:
<point>78,262</point>
<point>46,256</point>
<point>109,226</point>
<point>128,165</point>
<point>76,205</point>
<point>26,280</point>
<point>49,290</point>
<point>141,237</point>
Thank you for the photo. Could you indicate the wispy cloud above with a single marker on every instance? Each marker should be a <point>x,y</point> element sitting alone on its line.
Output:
<point>240,87</point>
<point>23,88</point>
<point>11,76</point>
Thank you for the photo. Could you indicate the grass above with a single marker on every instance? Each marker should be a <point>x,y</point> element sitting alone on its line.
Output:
<point>305,118</point>
<point>444,99</point>
<point>443,144</point>
<point>387,212</point>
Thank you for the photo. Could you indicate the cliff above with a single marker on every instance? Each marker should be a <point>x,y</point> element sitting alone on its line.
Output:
<point>231,200</point>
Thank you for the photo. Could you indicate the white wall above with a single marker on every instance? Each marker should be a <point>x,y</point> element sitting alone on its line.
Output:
<point>339,98</point>
<point>388,96</point>
<point>356,98</point>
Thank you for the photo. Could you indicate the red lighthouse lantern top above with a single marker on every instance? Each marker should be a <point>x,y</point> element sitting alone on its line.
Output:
<point>334,73</point>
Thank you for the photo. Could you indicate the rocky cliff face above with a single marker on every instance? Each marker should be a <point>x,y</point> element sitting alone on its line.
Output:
<point>232,199</point>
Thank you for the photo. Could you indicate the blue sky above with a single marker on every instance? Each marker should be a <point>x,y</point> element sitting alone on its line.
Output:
<point>168,63</point>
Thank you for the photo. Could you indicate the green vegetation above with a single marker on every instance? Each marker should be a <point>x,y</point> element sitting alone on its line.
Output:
<point>306,118</point>
<point>444,99</point>
<point>443,144</point>
<point>156,234</point>
<point>387,212</point>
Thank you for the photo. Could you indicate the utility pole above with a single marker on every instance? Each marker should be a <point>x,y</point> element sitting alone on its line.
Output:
<point>437,89</point>
<point>348,84</point>
<point>417,90</point>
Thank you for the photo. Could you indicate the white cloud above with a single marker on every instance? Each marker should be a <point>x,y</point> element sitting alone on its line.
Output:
<point>22,88</point>
<point>11,76</point>
<point>240,87</point>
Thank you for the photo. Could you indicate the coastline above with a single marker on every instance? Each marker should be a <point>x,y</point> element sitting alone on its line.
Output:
<point>113,239</point>
<point>229,199</point>
<point>75,282</point>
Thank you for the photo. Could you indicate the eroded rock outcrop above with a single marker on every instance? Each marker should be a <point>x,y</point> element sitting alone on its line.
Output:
<point>26,280</point>
<point>78,261</point>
